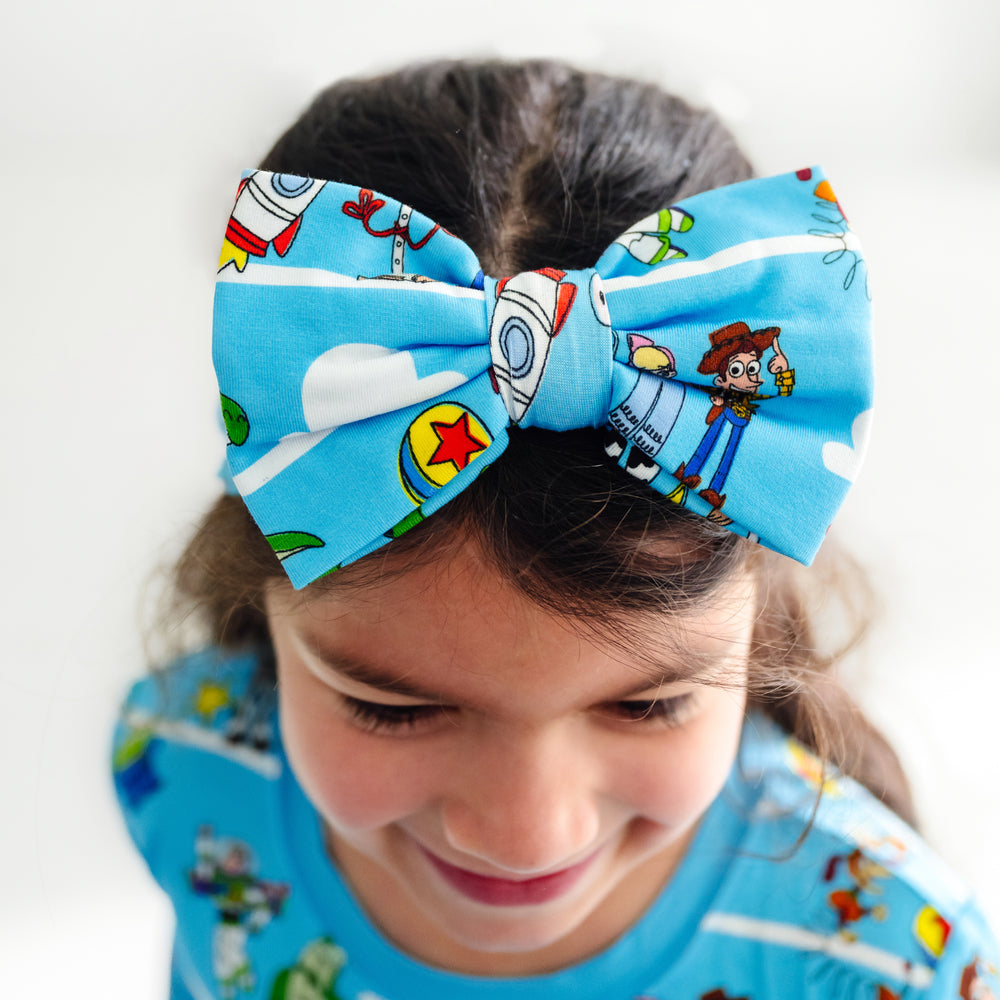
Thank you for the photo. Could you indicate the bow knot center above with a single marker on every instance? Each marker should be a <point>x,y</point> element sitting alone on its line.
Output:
<point>551,347</point>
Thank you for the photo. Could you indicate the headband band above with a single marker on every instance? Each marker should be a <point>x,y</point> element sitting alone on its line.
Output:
<point>369,370</point>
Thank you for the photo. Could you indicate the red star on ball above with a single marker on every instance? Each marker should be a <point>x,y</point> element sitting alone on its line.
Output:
<point>458,444</point>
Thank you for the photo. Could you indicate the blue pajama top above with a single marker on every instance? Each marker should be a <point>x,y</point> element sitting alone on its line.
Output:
<point>862,909</point>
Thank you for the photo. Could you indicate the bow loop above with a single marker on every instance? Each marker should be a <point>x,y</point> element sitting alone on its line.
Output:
<point>369,370</point>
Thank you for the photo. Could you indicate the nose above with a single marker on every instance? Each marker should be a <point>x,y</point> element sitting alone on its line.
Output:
<point>525,805</point>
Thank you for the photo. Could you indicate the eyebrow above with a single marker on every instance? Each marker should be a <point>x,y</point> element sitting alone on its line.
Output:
<point>384,680</point>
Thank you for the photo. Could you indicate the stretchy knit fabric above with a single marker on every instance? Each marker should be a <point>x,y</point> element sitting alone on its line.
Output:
<point>863,908</point>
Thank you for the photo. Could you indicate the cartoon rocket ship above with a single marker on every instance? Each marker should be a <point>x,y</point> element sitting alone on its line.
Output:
<point>531,309</point>
<point>268,211</point>
<point>649,239</point>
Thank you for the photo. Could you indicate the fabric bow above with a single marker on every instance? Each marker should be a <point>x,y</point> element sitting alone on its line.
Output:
<point>369,370</point>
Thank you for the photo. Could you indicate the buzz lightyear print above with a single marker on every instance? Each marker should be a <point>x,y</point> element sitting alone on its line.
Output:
<point>245,905</point>
<point>649,241</point>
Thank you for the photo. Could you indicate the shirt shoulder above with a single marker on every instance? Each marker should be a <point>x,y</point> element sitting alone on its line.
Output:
<point>194,739</point>
<point>838,890</point>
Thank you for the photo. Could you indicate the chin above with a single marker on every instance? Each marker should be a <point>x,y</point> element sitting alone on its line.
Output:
<point>513,930</point>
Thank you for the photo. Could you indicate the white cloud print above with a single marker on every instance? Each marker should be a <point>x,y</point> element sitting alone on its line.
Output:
<point>348,383</point>
<point>844,460</point>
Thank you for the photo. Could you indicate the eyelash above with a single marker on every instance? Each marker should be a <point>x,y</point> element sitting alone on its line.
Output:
<point>375,717</point>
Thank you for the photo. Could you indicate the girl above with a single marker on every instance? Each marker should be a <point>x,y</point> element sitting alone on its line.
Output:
<point>512,686</point>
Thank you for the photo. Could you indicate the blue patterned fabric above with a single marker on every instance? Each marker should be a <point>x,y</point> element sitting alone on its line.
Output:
<point>862,910</point>
<point>369,370</point>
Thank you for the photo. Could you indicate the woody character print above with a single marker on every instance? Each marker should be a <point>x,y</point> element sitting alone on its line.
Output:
<point>973,984</point>
<point>847,902</point>
<point>734,358</point>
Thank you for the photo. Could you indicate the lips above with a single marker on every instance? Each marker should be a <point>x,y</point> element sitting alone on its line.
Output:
<point>509,892</point>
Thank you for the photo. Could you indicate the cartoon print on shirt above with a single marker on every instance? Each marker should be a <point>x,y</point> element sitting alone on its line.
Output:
<point>972,985</point>
<point>437,445</point>
<point>251,721</point>
<point>808,766</point>
<point>847,903</point>
<point>210,698</point>
<point>314,974</point>
<point>245,905</point>
<point>268,212</point>
<point>648,241</point>
<point>236,421</point>
<point>645,418</point>
<point>364,208</point>
<point>530,311</point>
<point>132,764</point>
<point>932,931</point>
<point>734,358</point>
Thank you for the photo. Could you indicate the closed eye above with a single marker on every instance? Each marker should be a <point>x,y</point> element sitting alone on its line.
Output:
<point>378,717</point>
<point>670,711</point>
<point>374,716</point>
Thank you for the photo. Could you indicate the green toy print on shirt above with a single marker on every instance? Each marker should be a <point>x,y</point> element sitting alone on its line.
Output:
<point>314,974</point>
<point>224,872</point>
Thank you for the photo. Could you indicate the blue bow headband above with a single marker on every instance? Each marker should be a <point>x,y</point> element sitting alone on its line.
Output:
<point>369,370</point>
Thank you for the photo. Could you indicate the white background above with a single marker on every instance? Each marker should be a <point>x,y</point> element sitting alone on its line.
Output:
<point>124,127</point>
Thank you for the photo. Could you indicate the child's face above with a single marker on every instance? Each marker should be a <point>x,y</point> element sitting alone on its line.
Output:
<point>511,805</point>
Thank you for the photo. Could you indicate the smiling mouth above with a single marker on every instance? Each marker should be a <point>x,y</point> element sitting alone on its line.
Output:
<point>509,892</point>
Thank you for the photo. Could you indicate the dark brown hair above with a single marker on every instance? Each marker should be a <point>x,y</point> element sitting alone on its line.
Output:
<point>535,164</point>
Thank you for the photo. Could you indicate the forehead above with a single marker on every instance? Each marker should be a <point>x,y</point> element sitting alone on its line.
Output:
<point>457,625</point>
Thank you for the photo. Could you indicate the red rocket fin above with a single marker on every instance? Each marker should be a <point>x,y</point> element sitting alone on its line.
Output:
<point>500,284</point>
<point>284,239</point>
<point>552,272</point>
<point>564,302</point>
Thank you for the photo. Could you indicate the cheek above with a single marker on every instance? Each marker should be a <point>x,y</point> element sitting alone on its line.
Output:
<point>355,780</point>
<point>686,768</point>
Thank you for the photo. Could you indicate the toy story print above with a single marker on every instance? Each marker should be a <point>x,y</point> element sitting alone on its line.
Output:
<point>212,715</point>
<point>645,418</point>
<point>439,444</point>
<point>314,974</point>
<point>236,421</point>
<point>268,212</point>
<point>410,521</point>
<point>804,763</point>
<point>286,544</point>
<point>530,310</point>
<point>649,241</point>
<point>830,215</point>
<point>133,764</point>
<point>250,722</point>
<point>697,418</point>
<point>734,359</point>
<point>932,932</point>
<point>365,207</point>
<point>847,903</point>
<point>245,904</point>
<point>973,984</point>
